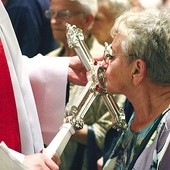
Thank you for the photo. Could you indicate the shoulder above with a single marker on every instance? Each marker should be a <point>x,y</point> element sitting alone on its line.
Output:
<point>44,4</point>
<point>55,52</point>
<point>17,4</point>
<point>166,119</point>
<point>164,130</point>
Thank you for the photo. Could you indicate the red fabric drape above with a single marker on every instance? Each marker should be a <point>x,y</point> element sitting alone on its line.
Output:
<point>9,127</point>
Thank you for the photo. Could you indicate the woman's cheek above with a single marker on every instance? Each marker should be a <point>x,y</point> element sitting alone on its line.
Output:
<point>109,72</point>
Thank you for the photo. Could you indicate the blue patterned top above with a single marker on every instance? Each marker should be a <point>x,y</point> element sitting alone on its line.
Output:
<point>130,142</point>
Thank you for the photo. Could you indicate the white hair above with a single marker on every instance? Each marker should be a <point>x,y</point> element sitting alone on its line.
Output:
<point>90,5</point>
<point>148,4</point>
<point>147,37</point>
<point>117,7</point>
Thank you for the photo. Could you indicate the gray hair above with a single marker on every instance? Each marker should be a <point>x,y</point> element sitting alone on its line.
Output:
<point>148,38</point>
<point>117,7</point>
<point>90,6</point>
<point>151,4</point>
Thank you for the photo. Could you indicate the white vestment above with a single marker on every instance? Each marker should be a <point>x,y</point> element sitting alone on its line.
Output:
<point>48,77</point>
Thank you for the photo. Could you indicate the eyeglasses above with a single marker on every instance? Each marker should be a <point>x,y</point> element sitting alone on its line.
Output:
<point>107,53</point>
<point>63,14</point>
<point>107,57</point>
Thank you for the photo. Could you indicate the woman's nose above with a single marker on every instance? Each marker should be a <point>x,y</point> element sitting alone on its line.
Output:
<point>104,64</point>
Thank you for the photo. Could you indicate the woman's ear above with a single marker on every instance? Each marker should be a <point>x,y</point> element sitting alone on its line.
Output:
<point>138,71</point>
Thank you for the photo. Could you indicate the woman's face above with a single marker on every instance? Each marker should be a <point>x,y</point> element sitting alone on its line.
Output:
<point>103,23</point>
<point>118,69</point>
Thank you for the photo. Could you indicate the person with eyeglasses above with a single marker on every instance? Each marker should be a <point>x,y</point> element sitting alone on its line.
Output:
<point>137,65</point>
<point>32,28</point>
<point>85,146</point>
<point>21,139</point>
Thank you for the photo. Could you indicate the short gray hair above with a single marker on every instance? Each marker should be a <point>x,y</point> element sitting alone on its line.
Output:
<point>91,6</point>
<point>117,7</point>
<point>148,38</point>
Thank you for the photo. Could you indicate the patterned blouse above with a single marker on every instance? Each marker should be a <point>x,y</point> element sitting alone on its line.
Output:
<point>156,150</point>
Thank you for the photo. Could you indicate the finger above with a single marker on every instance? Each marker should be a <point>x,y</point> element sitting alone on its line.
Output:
<point>51,164</point>
<point>56,159</point>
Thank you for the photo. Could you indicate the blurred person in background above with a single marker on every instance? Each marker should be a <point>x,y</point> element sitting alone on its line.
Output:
<point>32,28</point>
<point>108,11</point>
<point>138,67</point>
<point>151,4</point>
<point>138,5</point>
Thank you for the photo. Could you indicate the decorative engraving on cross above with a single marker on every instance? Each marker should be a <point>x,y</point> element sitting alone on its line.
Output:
<point>96,85</point>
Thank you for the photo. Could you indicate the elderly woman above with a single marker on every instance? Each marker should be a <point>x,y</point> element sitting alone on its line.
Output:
<point>139,67</point>
<point>107,13</point>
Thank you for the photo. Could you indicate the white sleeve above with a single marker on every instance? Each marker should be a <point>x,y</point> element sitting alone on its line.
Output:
<point>48,76</point>
<point>30,132</point>
<point>10,159</point>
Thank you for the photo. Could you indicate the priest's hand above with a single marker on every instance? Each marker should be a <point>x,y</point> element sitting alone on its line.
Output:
<point>40,162</point>
<point>77,72</point>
